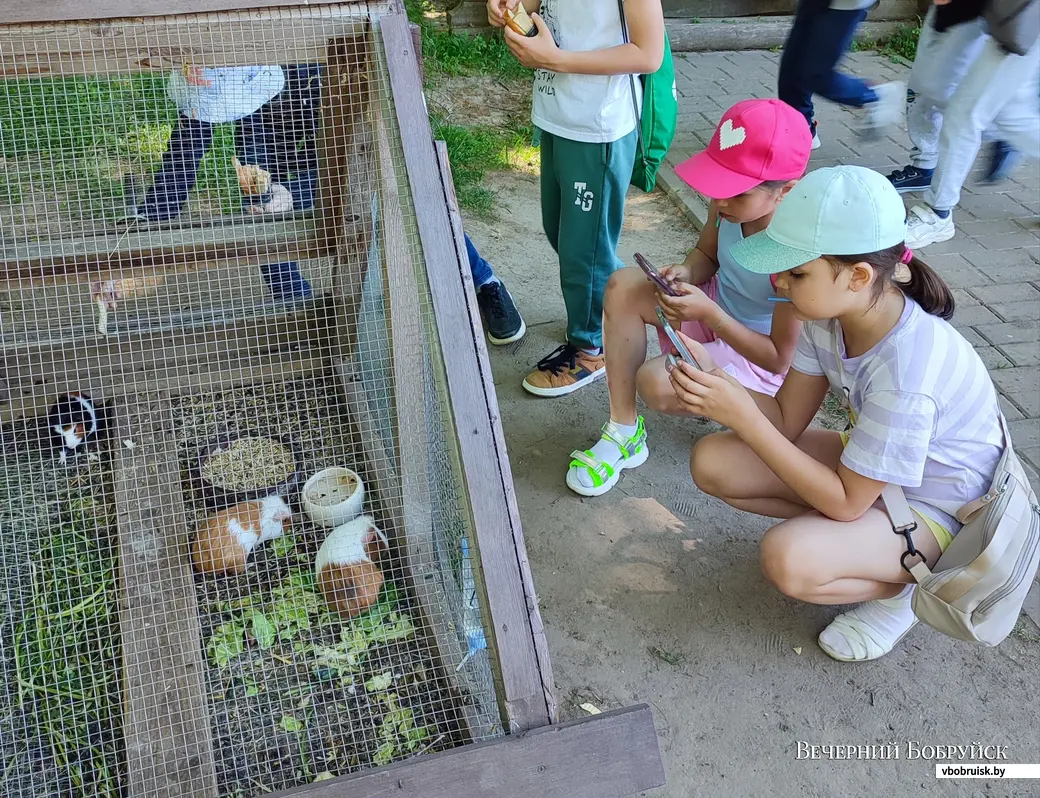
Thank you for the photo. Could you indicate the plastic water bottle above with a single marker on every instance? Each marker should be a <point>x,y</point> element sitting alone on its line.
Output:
<point>471,623</point>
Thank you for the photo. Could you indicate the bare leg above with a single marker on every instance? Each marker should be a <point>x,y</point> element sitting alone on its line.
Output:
<point>809,557</point>
<point>628,306</point>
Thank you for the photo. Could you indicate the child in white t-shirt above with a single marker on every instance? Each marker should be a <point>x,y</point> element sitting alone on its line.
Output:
<point>584,110</point>
<point>923,412</point>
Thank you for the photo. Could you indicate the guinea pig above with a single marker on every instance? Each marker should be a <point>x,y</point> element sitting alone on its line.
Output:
<point>347,570</point>
<point>72,422</point>
<point>228,537</point>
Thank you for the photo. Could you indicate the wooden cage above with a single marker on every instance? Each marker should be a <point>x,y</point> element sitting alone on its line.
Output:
<point>390,343</point>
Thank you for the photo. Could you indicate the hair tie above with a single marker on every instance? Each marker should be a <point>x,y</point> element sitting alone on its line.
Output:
<point>908,255</point>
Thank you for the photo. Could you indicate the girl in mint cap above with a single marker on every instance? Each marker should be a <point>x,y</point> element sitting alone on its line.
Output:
<point>923,413</point>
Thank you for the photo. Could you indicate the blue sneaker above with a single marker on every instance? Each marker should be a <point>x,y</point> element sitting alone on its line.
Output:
<point>910,179</point>
<point>286,282</point>
<point>1003,158</point>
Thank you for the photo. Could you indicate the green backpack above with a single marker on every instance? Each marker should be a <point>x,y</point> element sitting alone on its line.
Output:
<point>660,114</point>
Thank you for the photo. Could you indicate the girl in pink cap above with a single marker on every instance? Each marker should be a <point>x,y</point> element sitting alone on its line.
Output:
<point>757,153</point>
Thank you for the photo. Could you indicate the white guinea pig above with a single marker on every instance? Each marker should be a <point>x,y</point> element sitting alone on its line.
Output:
<point>228,537</point>
<point>347,569</point>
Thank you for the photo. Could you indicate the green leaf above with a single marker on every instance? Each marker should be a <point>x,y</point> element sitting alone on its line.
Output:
<point>226,643</point>
<point>263,630</point>
<point>292,725</point>
<point>324,776</point>
<point>282,546</point>
<point>397,627</point>
<point>379,683</point>
<point>385,753</point>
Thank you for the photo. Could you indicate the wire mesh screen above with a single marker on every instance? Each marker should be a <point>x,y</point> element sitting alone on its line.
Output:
<point>233,522</point>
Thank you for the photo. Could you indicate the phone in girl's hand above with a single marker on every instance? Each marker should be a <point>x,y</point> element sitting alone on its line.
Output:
<point>680,347</point>
<point>654,275</point>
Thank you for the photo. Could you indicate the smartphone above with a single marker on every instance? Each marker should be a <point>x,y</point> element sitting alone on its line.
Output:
<point>680,347</point>
<point>654,275</point>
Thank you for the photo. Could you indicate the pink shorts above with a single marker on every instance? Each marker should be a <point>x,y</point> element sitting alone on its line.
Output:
<point>749,375</point>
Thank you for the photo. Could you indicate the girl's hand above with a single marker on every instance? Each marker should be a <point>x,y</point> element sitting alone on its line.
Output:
<point>675,273</point>
<point>496,11</point>
<point>537,52</point>
<point>692,304</point>
<point>712,393</point>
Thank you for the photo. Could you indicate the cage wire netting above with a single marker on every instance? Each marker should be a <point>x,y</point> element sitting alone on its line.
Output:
<point>178,350</point>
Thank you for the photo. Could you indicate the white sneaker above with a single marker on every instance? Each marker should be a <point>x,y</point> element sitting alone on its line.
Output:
<point>869,630</point>
<point>924,227</point>
<point>816,143</point>
<point>886,111</point>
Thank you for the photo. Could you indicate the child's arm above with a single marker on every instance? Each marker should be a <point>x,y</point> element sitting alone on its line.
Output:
<point>770,426</point>
<point>772,352</point>
<point>641,56</point>
<point>702,261</point>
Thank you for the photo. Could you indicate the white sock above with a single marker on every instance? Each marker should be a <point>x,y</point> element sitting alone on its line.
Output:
<point>607,451</point>
<point>489,281</point>
<point>885,620</point>
<point>594,353</point>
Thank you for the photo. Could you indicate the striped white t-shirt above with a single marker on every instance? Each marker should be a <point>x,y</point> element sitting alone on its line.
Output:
<point>923,406</point>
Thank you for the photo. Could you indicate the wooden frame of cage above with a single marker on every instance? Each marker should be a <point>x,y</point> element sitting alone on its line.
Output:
<point>613,753</point>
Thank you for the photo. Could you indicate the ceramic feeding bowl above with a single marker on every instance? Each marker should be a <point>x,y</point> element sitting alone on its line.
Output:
<point>333,496</point>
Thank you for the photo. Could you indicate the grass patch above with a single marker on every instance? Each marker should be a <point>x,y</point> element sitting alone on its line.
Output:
<point>901,45</point>
<point>451,54</point>
<point>475,151</point>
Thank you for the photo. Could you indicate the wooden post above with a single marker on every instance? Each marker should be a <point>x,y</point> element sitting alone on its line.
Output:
<point>169,748</point>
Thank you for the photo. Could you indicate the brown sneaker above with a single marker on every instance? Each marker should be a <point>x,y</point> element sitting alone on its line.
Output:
<point>563,371</point>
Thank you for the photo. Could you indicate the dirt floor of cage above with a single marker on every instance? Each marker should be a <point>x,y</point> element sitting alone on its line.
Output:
<point>295,693</point>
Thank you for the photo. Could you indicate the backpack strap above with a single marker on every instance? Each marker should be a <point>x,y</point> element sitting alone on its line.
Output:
<point>631,78</point>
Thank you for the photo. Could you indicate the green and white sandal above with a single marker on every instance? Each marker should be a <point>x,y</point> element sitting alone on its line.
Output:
<point>632,452</point>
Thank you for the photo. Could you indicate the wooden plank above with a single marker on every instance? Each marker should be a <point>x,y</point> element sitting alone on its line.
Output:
<point>525,701</point>
<point>469,294</point>
<point>175,249</point>
<point>713,9</point>
<point>59,10</point>
<point>236,38</point>
<point>615,753</point>
<point>166,725</point>
<point>250,349</point>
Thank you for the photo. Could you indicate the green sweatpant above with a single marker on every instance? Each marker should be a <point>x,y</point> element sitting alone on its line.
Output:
<point>583,203</point>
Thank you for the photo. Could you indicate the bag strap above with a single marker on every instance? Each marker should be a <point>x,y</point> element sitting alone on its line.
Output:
<point>631,78</point>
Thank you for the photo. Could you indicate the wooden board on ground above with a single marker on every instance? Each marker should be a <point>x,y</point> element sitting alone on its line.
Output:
<point>166,721</point>
<point>234,38</point>
<point>523,674</point>
<point>615,753</point>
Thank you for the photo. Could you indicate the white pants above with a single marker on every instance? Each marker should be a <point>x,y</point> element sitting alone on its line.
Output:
<point>967,87</point>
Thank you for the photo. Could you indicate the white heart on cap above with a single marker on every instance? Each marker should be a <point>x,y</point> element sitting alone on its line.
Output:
<point>730,136</point>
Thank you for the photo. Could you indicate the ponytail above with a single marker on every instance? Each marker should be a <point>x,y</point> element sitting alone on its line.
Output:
<point>927,289</point>
<point>922,285</point>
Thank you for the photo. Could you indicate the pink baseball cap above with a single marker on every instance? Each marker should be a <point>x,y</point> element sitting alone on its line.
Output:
<point>757,140</point>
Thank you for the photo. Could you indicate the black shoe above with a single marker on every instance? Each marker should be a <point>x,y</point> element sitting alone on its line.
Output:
<point>910,179</point>
<point>1003,158</point>
<point>502,319</point>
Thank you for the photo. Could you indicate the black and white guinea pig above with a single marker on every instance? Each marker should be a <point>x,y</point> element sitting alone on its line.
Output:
<point>72,422</point>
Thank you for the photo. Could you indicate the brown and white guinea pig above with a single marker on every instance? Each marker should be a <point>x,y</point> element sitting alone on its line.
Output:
<point>72,422</point>
<point>227,538</point>
<point>347,566</point>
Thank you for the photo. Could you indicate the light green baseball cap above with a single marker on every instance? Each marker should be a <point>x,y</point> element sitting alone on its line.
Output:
<point>840,210</point>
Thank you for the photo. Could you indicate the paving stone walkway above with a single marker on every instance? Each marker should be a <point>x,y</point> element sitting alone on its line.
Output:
<point>993,264</point>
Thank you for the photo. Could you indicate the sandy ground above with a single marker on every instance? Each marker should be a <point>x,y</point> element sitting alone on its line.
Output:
<point>652,593</point>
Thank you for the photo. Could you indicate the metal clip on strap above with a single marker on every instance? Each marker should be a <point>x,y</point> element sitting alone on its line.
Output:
<point>903,523</point>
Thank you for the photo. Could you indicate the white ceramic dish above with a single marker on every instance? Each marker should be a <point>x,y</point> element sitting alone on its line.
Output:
<point>333,496</point>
